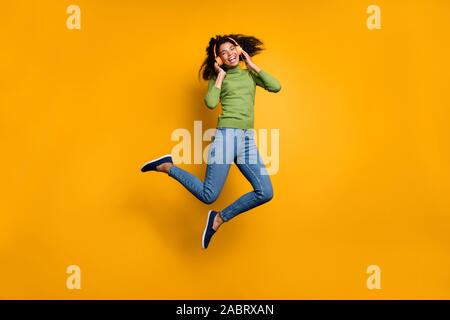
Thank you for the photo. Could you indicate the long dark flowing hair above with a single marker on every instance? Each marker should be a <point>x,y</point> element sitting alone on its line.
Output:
<point>250,44</point>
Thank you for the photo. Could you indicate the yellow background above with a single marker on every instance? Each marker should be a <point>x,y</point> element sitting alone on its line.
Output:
<point>364,151</point>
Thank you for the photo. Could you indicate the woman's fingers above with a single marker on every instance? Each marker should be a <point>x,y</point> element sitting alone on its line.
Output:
<point>247,57</point>
<point>216,67</point>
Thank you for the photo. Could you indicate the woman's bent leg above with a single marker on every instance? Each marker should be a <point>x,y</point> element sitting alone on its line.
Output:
<point>220,155</point>
<point>255,172</point>
<point>208,190</point>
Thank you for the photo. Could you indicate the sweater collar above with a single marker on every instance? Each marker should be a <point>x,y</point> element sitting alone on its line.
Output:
<point>235,69</point>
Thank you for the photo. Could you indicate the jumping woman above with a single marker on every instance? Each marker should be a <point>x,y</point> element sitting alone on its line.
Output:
<point>233,140</point>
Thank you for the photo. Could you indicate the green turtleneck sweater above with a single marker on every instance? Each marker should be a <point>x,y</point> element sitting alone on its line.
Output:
<point>237,96</point>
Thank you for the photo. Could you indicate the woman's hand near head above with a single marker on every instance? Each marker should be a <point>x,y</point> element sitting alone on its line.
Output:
<point>220,75</point>
<point>249,62</point>
<point>218,69</point>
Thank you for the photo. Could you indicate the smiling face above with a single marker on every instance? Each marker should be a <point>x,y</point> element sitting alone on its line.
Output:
<point>228,54</point>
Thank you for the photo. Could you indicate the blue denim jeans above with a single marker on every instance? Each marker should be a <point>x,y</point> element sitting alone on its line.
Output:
<point>230,145</point>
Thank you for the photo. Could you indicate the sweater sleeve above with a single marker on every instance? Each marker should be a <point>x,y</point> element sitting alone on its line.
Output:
<point>266,81</point>
<point>213,95</point>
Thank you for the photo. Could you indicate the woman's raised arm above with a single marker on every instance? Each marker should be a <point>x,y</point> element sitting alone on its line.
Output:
<point>214,86</point>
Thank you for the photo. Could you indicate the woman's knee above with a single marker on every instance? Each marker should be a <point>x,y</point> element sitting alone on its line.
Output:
<point>265,194</point>
<point>209,198</point>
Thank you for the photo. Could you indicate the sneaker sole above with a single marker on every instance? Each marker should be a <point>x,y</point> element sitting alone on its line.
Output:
<point>206,228</point>
<point>148,162</point>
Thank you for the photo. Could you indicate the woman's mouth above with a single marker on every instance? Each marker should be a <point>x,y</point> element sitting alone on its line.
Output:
<point>233,59</point>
